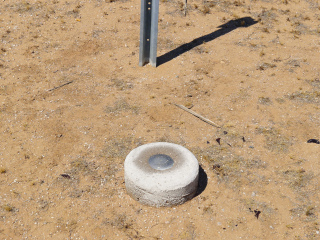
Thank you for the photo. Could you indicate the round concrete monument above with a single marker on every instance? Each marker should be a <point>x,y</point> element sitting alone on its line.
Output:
<point>161,174</point>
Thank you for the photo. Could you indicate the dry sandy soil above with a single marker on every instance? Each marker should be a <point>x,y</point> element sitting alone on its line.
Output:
<point>74,103</point>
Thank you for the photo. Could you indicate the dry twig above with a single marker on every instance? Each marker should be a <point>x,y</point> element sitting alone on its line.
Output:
<point>197,115</point>
<point>60,86</point>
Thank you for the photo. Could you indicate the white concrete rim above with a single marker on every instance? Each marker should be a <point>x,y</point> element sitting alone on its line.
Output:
<point>148,178</point>
<point>161,187</point>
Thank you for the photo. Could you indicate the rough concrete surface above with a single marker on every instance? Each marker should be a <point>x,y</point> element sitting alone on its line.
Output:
<point>161,187</point>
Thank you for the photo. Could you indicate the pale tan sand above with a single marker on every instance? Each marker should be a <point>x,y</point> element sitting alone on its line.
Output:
<point>257,78</point>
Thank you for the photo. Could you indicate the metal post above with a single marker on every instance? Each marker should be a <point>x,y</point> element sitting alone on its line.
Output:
<point>149,32</point>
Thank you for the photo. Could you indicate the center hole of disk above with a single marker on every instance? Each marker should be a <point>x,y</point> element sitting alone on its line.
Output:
<point>161,162</point>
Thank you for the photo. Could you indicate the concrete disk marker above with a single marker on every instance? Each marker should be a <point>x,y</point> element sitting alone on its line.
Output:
<point>161,174</point>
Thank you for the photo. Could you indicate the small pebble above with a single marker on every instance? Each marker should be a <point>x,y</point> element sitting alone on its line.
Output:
<point>313,141</point>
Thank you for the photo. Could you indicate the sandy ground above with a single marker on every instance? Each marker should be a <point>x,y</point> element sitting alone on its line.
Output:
<point>74,103</point>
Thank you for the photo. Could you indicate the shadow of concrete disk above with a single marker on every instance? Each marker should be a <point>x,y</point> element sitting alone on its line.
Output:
<point>203,182</point>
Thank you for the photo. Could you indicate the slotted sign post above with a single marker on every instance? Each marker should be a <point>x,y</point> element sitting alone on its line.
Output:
<point>148,32</point>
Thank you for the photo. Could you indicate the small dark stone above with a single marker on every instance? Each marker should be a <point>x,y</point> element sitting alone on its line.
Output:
<point>313,141</point>
<point>257,213</point>
<point>225,132</point>
<point>65,176</point>
<point>218,140</point>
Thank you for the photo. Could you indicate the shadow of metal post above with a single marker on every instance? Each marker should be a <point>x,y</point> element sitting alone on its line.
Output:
<point>224,29</point>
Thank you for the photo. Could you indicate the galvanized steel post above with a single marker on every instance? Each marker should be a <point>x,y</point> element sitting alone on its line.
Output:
<point>148,32</point>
